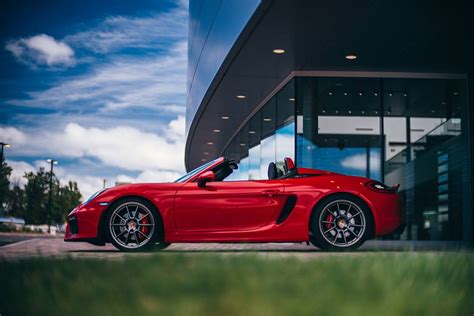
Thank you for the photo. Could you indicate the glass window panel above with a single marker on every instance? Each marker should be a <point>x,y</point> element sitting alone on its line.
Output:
<point>395,131</point>
<point>340,122</point>
<point>254,163</point>
<point>285,104</point>
<point>268,116</point>
<point>254,130</point>
<point>285,143</point>
<point>244,169</point>
<point>267,148</point>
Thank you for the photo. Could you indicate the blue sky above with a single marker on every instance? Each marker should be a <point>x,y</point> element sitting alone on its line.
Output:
<point>98,85</point>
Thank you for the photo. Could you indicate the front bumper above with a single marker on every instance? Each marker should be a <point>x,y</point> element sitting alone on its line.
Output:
<point>83,224</point>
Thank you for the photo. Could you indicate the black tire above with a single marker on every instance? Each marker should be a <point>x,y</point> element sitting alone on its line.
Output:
<point>341,222</point>
<point>122,216</point>
<point>161,245</point>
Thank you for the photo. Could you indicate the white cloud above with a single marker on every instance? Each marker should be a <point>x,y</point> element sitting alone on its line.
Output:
<point>150,176</point>
<point>41,49</point>
<point>114,33</point>
<point>123,147</point>
<point>18,171</point>
<point>89,121</point>
<point>359,162</point>
<point>87,184</point>
<point>157,83</point>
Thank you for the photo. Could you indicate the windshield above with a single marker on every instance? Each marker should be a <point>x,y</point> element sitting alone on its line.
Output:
<point>195,171</point>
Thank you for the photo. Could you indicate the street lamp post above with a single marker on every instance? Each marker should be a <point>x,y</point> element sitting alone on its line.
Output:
<point>6,146</point>
<point>52,162</point>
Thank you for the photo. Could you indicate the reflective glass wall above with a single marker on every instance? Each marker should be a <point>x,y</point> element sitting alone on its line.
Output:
<point>411,132</point>
<point>214,27</point>
<point>339,125</point>
<point>268,136</point>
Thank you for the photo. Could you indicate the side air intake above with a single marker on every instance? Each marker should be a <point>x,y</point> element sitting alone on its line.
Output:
<point>287,209</point>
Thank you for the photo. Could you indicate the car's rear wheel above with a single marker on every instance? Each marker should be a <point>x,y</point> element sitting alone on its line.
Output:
<point>340,223</point>
<point>134,225</point>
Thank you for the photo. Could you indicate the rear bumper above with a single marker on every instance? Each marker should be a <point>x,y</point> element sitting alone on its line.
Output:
<point>388,213</point>
<point>400,229</point>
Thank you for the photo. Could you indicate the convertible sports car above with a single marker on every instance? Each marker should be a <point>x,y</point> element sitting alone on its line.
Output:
<point>330,210</point>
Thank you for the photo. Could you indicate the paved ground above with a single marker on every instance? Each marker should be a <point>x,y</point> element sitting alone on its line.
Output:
<point>39,246</point>
<point>9,238</point>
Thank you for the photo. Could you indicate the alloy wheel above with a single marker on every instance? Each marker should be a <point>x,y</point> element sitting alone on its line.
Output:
<point>342,223</point>
<point>132,225</point>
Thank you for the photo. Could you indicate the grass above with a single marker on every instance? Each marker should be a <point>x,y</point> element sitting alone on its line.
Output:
<point>364,284</point>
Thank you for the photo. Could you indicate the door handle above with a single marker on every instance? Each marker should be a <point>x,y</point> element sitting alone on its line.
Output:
<point>270,193</point>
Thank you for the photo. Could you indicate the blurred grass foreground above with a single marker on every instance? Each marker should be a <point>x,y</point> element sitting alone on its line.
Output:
<point>350,284</point>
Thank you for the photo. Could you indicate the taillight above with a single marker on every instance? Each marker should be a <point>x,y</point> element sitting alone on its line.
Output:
<point>380,187</point>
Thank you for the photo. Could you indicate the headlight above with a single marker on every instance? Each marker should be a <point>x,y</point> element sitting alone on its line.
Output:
<point>93,196</point>
<point>380,187</point>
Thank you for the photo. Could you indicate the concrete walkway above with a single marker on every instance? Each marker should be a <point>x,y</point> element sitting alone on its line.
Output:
<point>56,247</point>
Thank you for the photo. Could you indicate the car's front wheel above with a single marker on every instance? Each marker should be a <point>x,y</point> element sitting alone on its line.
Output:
<point>134,225</point>
<point>340,223</point>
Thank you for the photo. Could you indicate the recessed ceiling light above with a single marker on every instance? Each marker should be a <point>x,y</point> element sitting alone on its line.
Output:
<point>210,143</point>
<point>324,111</point>
<point>455,93</point>
<point>224,117</point>
<point>330,93</point>
<point>252,132</point>
<point>363,112</point>
<point>351,57</point>
<point>241,96</point>
<point>205,153</point>
<point>350,111</point>
<point>278,50</point>
<point>405,94</point>
<point>390,94</point>
<point>216,130</point>
<point>242,144</point>
<point>203,159</point>
<point>337,111</point>
<point>376,94</point>
<point>291,99</point>
<point>345,93</point>
<point>360,93</point>
<point>267,119</point>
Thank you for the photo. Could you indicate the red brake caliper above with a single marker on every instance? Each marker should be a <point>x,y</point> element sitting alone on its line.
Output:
<point>329,218</point>
<point>144,229</point>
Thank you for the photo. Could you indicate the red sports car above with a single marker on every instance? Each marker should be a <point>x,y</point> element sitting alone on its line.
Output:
<point>330,210</point>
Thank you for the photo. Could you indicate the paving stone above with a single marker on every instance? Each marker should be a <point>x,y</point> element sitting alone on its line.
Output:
<point>56,247</point>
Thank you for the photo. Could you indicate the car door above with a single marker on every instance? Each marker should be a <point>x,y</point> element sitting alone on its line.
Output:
<point>228,206</point>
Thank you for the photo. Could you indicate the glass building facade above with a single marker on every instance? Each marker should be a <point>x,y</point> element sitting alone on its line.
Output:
<point>213,28</point>
<point>408,130</point>
<point>272,79</point>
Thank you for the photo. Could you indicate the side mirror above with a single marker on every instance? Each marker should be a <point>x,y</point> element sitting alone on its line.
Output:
<point>206,177</point>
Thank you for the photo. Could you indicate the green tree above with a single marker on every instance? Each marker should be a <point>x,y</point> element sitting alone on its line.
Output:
<point>5,171</point>
<point>32,201</point>
<point>67,198</point>
<point>36,196</point>
<point>16,201</point>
